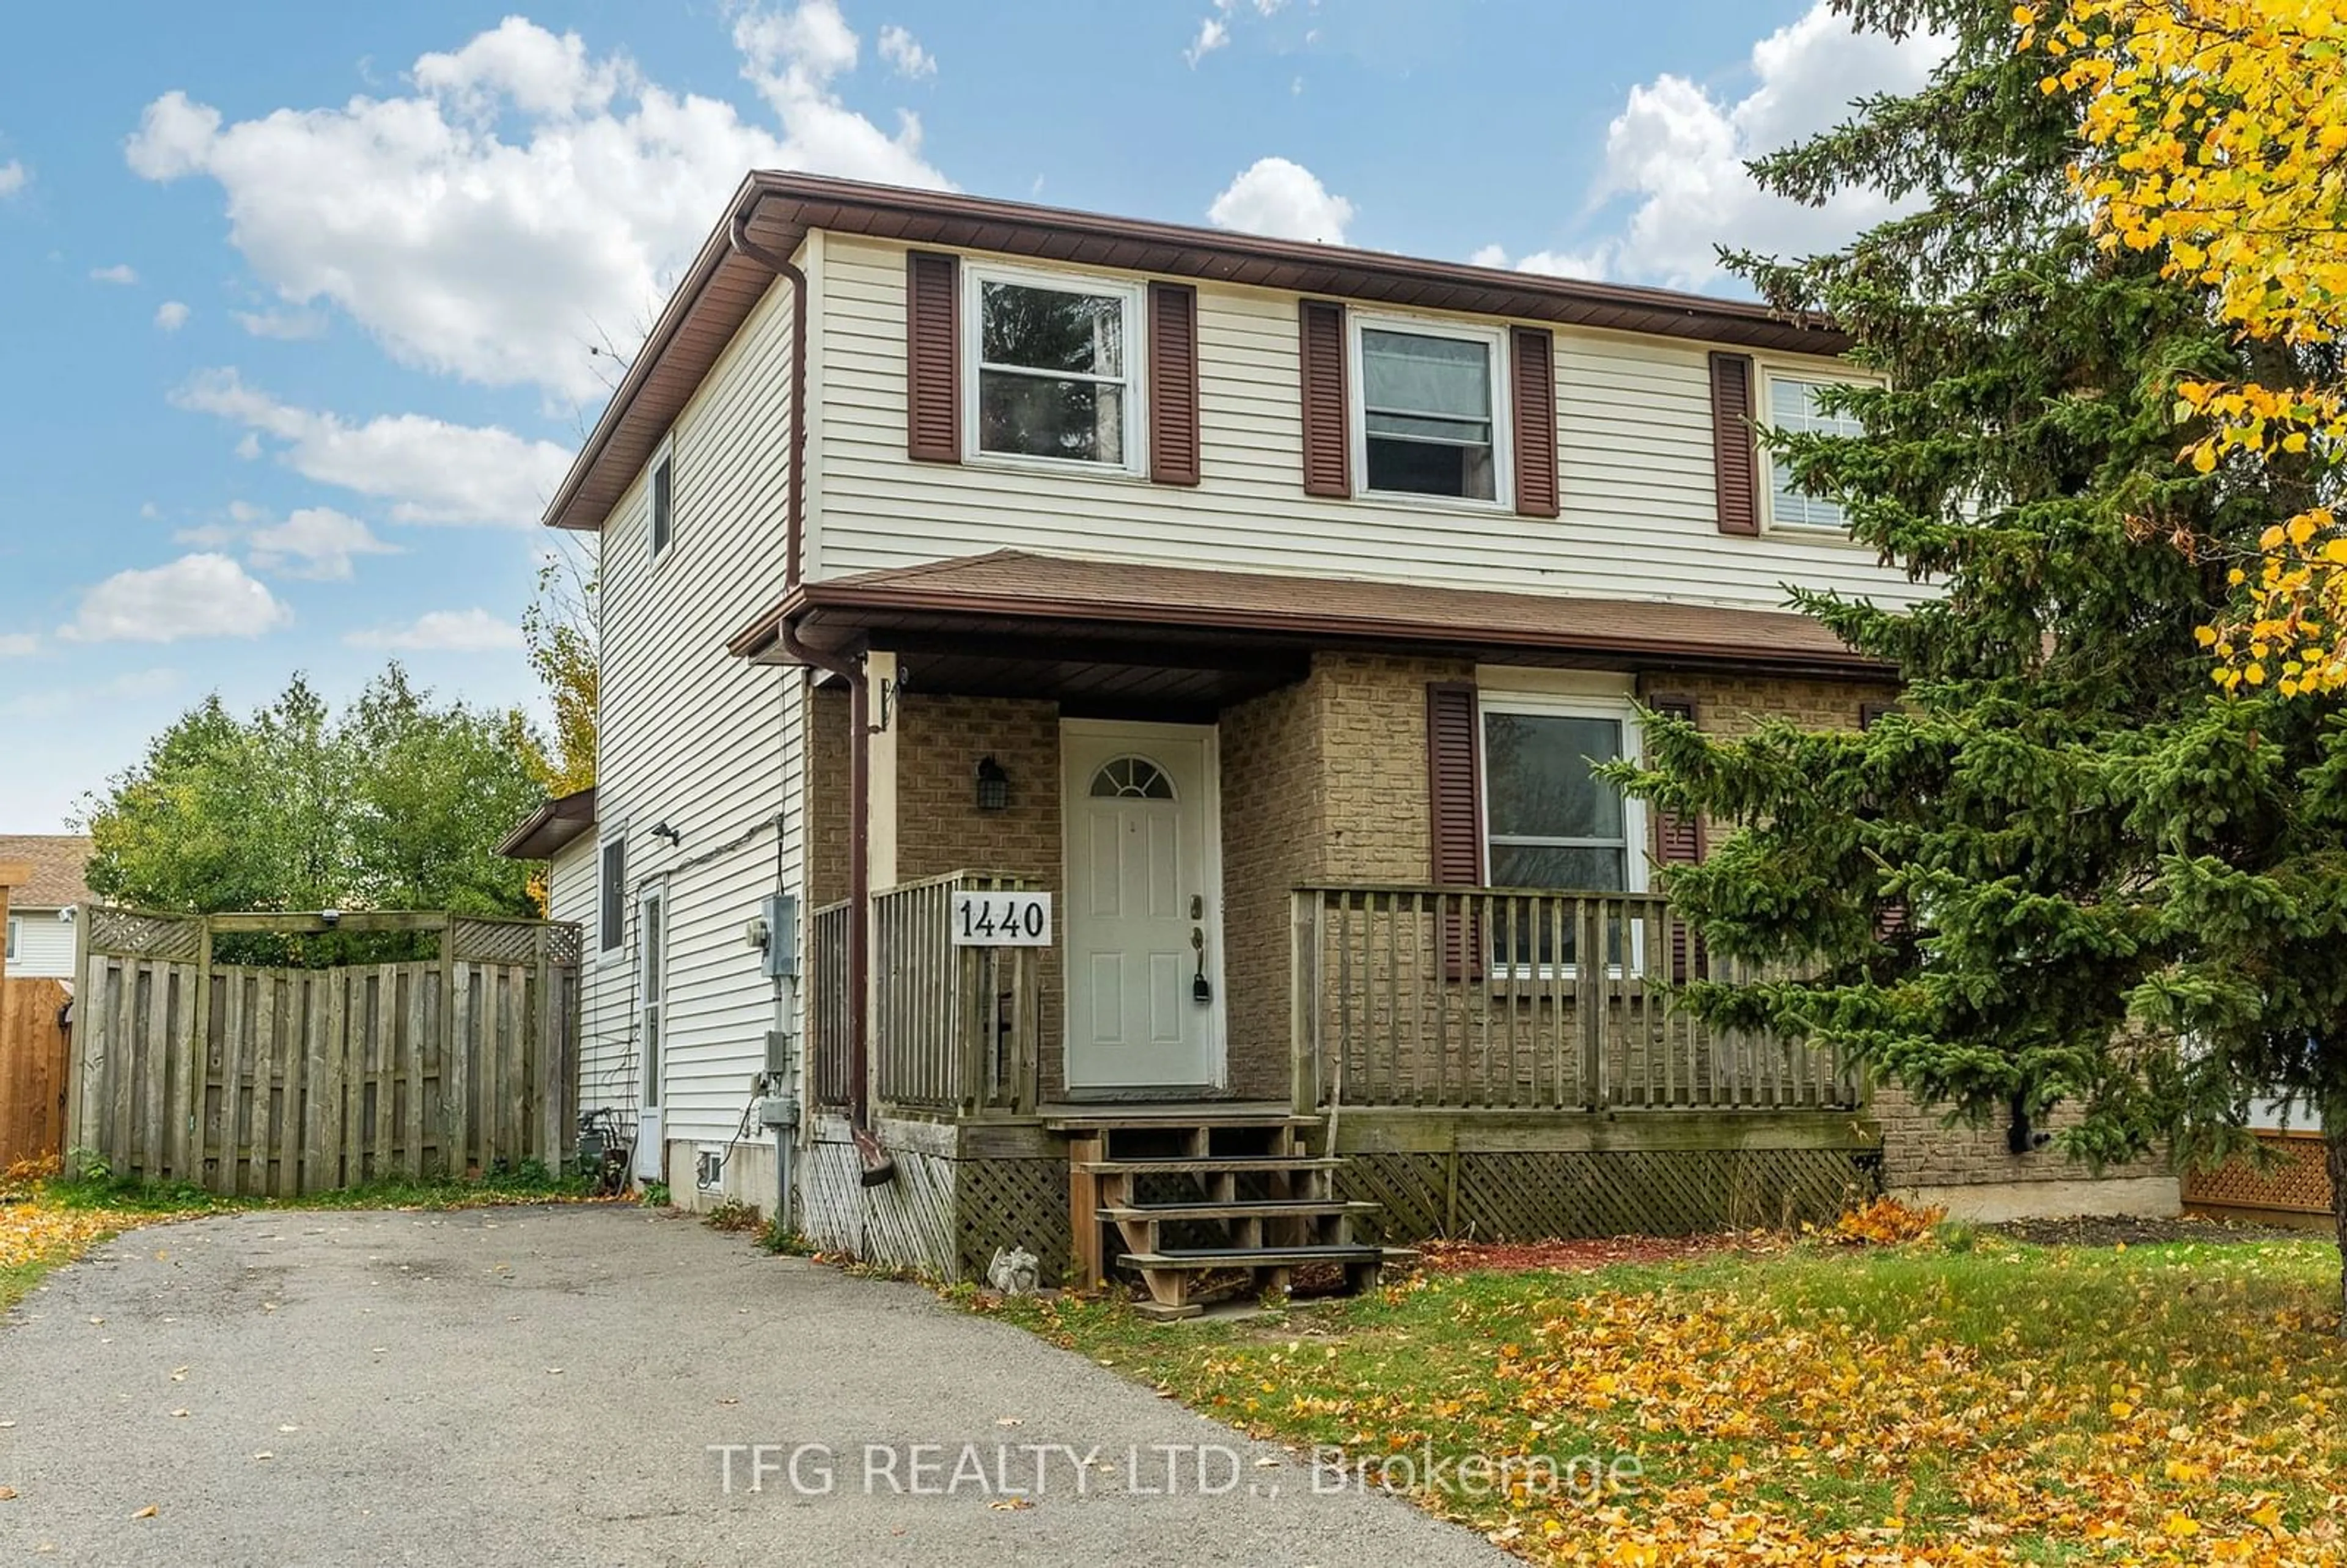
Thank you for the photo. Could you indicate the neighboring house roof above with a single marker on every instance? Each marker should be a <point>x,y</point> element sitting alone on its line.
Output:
<point>721,287</point>
<point>1045,599</point>
<point>58,861</point>
<point>552,828</point>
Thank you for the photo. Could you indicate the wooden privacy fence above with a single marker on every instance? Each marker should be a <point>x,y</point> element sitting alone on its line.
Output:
<point>33,1046</point>
<point>248,1079</point>
<point>954,1031</point>
<point>2299,1184</point>
<point>1488,999</point>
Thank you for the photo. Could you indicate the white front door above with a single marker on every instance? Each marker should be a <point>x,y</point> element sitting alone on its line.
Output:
<point>1143,926</point>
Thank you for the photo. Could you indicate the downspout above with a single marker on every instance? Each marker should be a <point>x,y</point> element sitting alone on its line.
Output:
<point>878,1167</point>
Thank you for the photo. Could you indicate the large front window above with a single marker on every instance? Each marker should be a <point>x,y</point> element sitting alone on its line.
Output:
<point>1552,822</point>
<point>1427,421</point>
<point>1055,371</point>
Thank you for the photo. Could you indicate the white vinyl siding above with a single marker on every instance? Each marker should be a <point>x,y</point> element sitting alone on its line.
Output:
<point>1635,466</point>
<point>693,737</point>
<point>43,949</point>
<point>606,1069</point>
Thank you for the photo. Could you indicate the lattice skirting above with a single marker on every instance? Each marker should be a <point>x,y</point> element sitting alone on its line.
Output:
<point>942,1217</point>
<point>2300,1185</point>
<point>1532,1195</point>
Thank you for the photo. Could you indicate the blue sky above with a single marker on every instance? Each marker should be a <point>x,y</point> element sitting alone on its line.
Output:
<point>299,299</point>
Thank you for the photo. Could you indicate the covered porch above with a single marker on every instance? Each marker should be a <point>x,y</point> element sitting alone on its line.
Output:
<point>1223,782</point>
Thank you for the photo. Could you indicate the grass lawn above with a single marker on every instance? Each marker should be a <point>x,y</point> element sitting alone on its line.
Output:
<point>1971,1400</point>
<point>45,1220</point>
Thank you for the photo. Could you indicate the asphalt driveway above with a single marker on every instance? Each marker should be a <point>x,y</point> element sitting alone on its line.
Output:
<point>601,1386</point>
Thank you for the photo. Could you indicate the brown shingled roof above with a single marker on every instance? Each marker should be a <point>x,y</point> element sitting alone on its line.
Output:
<point>57,860</point>
<point>1048,593</point>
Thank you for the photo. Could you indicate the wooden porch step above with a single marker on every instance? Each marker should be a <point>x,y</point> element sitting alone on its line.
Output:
<point>1155,1116</point>
<point>1240,1209</point>
<point>1207,1167</point>
<point>1252,1257</point>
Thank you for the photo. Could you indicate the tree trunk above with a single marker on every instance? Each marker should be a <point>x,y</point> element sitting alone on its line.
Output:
<point>2334,1137</point>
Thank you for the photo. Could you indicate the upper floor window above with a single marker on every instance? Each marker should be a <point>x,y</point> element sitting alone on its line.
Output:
<point>1426,418</point>
<point>663,499</point>
<point>1056,371</point>
<point>1793,407</point>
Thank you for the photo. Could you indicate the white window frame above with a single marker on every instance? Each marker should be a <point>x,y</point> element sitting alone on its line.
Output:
<point>975,276</point>
<point>13,940</point>
<point>651,995</point>
<point>653,544</point>
<point>1770,374</point>
<point>619,835</point>
<point>1503,456</point>
<point>1636,868</point>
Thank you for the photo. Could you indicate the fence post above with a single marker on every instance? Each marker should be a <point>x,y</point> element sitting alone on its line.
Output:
<point>1589,995</point>
<point>187,1135</point>
<point>1304,1003</point>
<point>76,1071</point>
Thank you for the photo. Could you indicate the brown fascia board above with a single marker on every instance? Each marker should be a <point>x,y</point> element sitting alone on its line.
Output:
<point>811,599</point>
<point>784,207</point>
<point>551,828</point>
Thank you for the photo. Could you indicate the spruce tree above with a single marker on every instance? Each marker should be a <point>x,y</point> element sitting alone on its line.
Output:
<point>2067,871</point>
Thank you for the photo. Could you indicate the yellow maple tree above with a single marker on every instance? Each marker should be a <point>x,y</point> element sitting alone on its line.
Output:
<point>2217,134</point>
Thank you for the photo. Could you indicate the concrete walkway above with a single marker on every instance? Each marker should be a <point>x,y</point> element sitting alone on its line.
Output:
<point>573,1386</point>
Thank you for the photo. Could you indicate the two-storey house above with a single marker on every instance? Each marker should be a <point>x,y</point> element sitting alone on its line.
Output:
<point>1262,605</point>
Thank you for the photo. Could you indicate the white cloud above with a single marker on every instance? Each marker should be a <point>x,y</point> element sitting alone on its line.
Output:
<point>430,470</point>
<point>206,595</point>
<point>904,55</point>
<point>1283,200</point>
<point>1213,34</point>
<point>528,197</point>
<point>14,177</point>
<point>443,631</point>
<point>1588,264</point>
<point>18,644</point>
<point>120,273</point>
<point>286,325</point>
<point>315,542</point>
<point>171,316</point>
<point>1678,152</point>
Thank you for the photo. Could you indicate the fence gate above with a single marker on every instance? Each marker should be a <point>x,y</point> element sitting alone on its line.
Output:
<point>32,1069</point>
<point>281,1081</point>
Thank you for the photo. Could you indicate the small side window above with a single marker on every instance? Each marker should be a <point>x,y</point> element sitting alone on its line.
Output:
<point>611,920</point>
<point>663,501</point>
<point>1793,407</point>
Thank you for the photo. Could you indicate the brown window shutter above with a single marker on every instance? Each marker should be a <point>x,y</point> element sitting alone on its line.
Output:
<point>1532,361</point>
<point>1734,465</point>
<point>1327,430</point>
<point>1173,384</point>
<point>1678,841</point>
<point>1454,785</point>
<point>932,357</point>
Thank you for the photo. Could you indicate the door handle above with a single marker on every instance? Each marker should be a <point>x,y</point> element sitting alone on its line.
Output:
<point>1201,991</point>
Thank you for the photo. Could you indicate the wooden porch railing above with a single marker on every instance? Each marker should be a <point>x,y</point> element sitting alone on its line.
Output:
<point>1477,998</point>
<point>954,1031</point>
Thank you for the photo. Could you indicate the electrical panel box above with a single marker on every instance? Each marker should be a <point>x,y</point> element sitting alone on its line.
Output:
<point>782,912</point>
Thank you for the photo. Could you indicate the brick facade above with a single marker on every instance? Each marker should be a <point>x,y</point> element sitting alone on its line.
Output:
<point>1323,781</point>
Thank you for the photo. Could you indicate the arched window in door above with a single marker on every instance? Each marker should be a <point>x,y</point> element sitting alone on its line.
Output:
<point>1131,778</point>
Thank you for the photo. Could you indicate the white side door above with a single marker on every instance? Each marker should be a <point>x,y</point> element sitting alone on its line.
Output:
<point>1143,921</point>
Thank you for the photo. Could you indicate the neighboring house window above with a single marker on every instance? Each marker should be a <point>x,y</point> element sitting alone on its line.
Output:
<point>1426,417</point>
<point>1793,407</point>
<point>663,500</point>
<point>11,949</point>
<point>612,914</point>
<point>652,990</point>
<point>1056,371</point>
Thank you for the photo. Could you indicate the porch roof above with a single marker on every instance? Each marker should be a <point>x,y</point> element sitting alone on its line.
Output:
<point>552,828</point>
<point>1250,629</point>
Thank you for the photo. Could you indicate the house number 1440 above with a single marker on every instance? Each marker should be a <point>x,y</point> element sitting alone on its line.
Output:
<point>1002,919</point>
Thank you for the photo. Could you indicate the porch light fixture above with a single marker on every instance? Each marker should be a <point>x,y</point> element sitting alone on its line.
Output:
<point>993,786</point>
